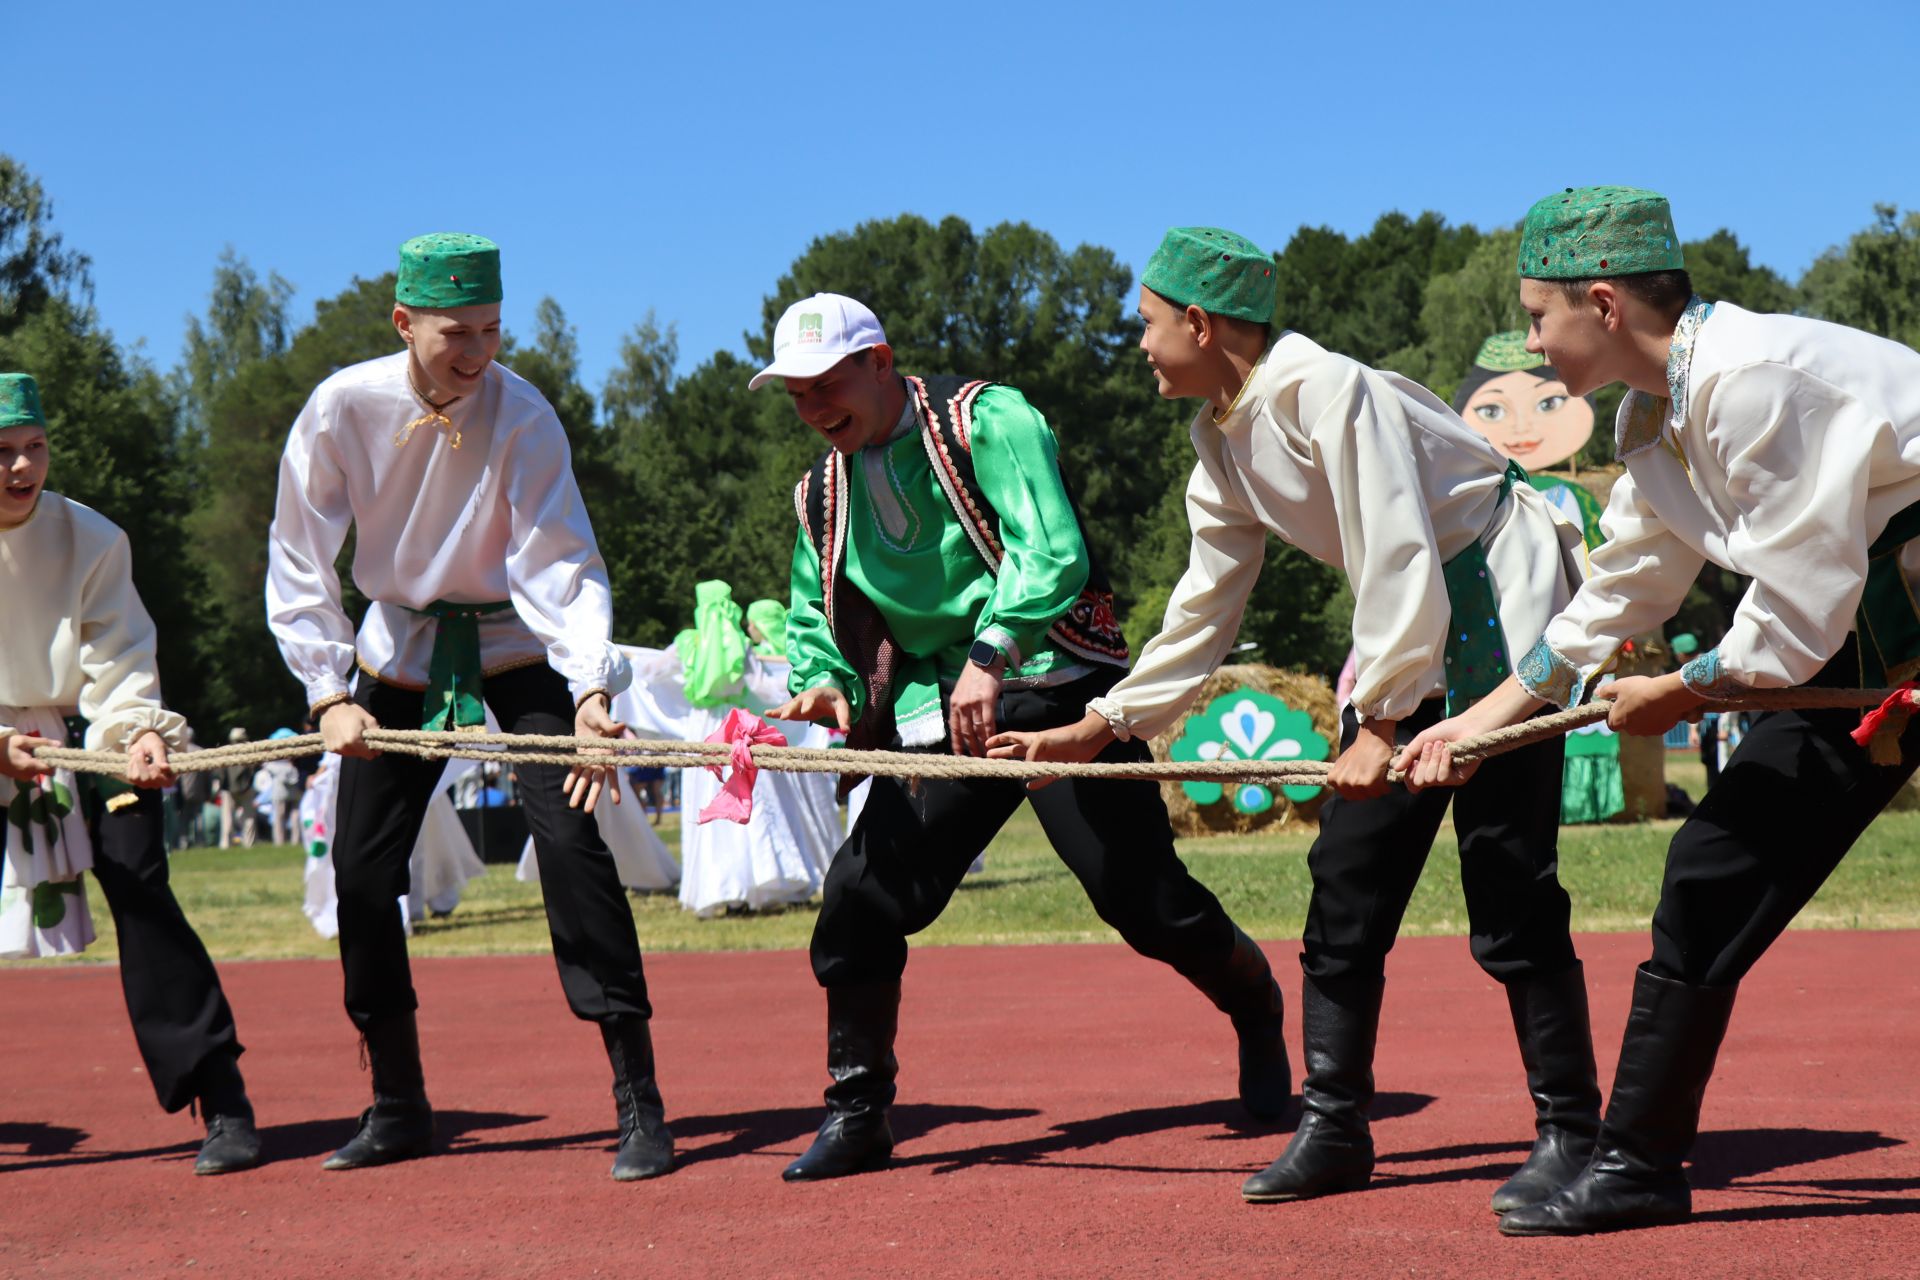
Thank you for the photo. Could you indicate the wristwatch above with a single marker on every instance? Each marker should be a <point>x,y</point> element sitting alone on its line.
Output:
<point>986,654</point>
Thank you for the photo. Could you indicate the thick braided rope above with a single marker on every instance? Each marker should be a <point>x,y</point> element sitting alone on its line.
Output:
<point>570,751</point>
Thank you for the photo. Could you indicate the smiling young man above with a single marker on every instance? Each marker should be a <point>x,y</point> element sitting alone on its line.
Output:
<point>487,590</point>
<point>1453,566</point>
<point>78,637</point>
<point>942,590</point>
<point>1780,448</point>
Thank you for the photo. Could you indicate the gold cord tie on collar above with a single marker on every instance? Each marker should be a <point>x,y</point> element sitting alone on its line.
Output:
<point>434,417</point>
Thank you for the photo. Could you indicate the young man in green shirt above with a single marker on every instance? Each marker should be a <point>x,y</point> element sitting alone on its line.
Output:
<point>942,590</point>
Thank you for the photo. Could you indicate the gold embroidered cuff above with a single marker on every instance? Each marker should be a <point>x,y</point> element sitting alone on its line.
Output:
<point>332,700</point>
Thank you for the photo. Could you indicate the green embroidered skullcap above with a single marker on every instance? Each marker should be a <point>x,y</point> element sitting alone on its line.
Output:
<point>1506,352</point>
<point>770,616</point>
<point>448,269</point>
<point>1215,270</point>
<point>20,401</point>
<point>1587,232</point>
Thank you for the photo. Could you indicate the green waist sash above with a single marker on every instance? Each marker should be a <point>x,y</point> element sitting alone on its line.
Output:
<point>1476,650</point>
<point>453,699</point>
<point>1888,618</point>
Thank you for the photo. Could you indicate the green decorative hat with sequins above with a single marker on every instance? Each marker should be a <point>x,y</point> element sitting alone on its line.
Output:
<point>1585,233</point>
<point>20,401</point>
<point>448,269</point>
<point>1215,270</point>
<point>1506,352</point>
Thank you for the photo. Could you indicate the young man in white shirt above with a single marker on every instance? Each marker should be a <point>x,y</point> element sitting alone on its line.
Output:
<point>486,584</point>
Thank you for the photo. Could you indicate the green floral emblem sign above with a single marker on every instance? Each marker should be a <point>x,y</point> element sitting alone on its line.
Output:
<point>1248,725</point>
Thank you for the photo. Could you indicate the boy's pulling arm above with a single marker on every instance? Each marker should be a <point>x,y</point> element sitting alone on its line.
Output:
<point>1203,615</point>
<point>1016,460</point>
<point>311,517</point>
<point>824,684</point>
<point>555,576</point>
<point>121,697</point>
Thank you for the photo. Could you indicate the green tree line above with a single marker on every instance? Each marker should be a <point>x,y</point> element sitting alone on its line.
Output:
<point>688,475</point>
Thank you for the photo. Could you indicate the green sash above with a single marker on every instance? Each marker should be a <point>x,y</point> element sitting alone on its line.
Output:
<point>453,698</point>
<point>1476,647</point>
<point>1888,619</point>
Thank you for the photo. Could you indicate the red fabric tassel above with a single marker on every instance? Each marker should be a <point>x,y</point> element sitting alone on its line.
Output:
<point>1880,729</point>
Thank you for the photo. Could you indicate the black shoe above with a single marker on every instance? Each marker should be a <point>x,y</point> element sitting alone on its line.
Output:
<point>391,1130</point>
<point>855,1137</point>
<point>1332,1150</point>
<point>1556,1045</point>
<point>232,1144</point>
<point>646,1145</point>
<point>1635,1178</point>
<point>1243,988</point>
<point>399,1124</point>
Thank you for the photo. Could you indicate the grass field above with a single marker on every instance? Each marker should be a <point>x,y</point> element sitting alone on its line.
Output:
<point>246,903</point>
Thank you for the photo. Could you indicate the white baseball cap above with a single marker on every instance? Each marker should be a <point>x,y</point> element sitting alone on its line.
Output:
<point>817,333</point>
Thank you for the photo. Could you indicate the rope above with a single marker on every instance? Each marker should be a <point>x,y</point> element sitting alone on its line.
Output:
<point>598,753</point>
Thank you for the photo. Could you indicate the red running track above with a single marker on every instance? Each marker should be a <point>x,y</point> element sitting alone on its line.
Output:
<point>1064,1111</point>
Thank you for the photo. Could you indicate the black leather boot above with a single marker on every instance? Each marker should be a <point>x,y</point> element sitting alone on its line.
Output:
<point>861,1023</point>
<point>1332,1150</point>
<point>232,1143</point>
<point>399,1124</point>
<point>1635,1178</point>
<point>1556,1045</point>
<point>1243,988</point>
<point>646,1146</point>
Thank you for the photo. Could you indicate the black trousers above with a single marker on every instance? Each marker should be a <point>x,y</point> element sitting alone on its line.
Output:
<point>382,804</point>
<point>911,848</point>
<point>1795,795</point>
<point>1369,855</point>
<point>179,1013</point>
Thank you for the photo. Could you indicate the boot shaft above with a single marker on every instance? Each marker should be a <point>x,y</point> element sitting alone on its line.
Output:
<point>1673,1038</point>
<point>1552,1027</point>
<point>862,1022</point>
<point>392,1045</point>
<point>1339,1028</point>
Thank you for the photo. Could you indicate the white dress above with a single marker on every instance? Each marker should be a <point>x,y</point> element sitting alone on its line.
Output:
<point>442,861</point>
<point>780,855</point>
<point>640,856</point>
<point>75,637</point>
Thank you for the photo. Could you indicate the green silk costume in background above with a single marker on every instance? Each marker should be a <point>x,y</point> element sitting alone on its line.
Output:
<point>909,553</point>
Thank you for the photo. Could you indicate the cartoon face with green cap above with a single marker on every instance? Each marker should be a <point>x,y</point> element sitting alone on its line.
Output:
<point>1517,401</point>
<point>23,448</point>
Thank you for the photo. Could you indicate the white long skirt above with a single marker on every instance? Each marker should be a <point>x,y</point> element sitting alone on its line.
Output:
<point>641,857</point>
<point>43,900</point>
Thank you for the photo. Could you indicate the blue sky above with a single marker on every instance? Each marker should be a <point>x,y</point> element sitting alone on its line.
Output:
<point>677,158</point>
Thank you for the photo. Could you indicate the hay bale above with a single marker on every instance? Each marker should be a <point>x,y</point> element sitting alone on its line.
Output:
<point>1307,693</point>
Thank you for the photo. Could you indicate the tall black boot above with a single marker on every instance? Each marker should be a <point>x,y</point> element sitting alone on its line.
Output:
<point>232,1143</point>
<point>1332,1150</point>
<point>1635,1178</point>
<point>399,1124</point>
<point>1243,988</point>
<point>1556,1044</point>
<point>646,1147</point>
<point>861,1023</point>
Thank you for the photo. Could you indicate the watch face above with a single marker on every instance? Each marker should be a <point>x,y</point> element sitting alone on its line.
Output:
<point>983,654</point>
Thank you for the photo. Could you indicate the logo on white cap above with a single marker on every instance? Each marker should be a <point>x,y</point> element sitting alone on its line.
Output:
<point>817,333</point>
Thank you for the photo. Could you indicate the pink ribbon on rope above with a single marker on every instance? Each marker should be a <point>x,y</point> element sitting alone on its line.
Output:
<point>744,731</point>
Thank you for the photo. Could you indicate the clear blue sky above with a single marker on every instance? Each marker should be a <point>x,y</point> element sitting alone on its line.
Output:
<point>678,158</point>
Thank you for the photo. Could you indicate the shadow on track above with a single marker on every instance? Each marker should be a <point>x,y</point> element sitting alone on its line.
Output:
<point>1084,1135</point>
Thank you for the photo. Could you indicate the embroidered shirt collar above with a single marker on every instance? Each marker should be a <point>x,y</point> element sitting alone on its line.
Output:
<point>909,416</point>
<point>1643,417</point>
